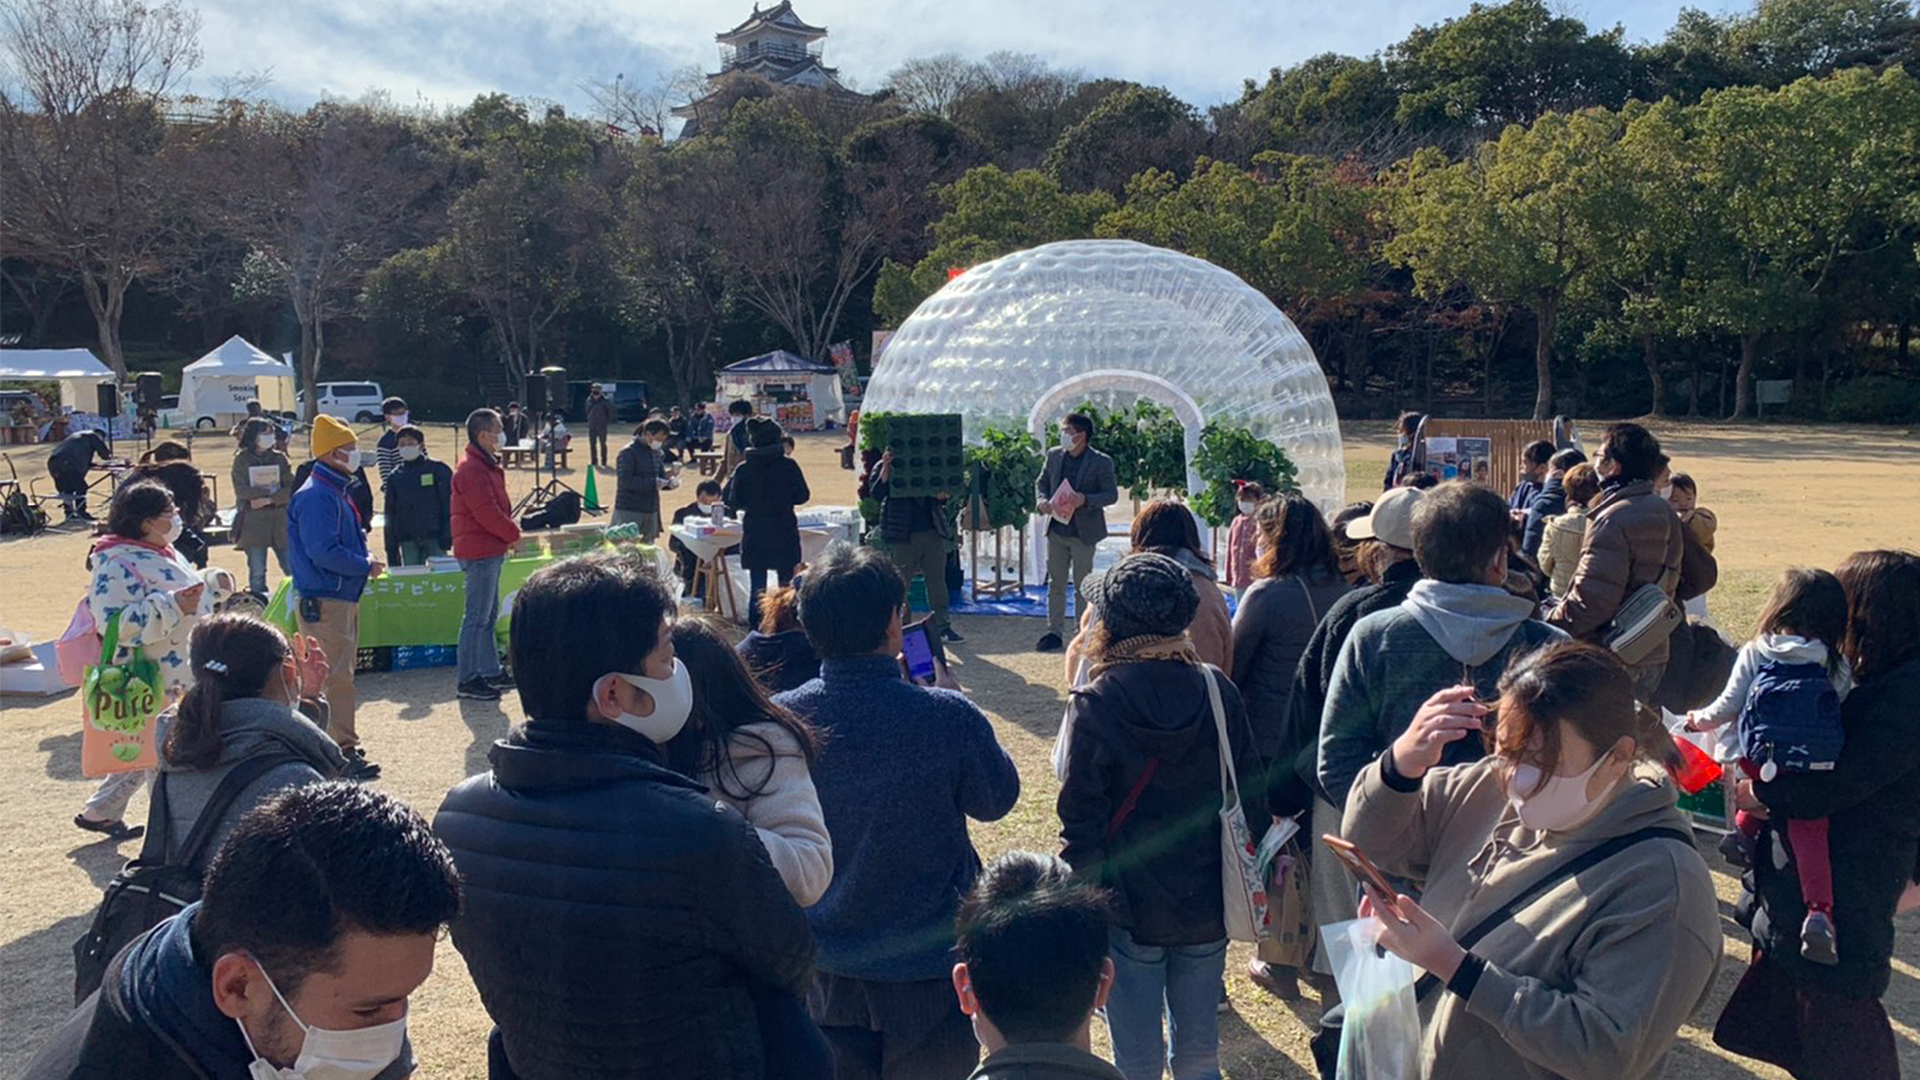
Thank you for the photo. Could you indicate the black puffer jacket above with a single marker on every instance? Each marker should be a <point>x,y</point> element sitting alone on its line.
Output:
<point>1871,801</point>
<point>618,920</point>
<point>766,488</point>
<point>419,505</point>
<point>1163,861</point>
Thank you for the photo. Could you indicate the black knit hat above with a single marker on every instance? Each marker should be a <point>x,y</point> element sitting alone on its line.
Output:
<point>1144,595</point>
<point>763,431</point>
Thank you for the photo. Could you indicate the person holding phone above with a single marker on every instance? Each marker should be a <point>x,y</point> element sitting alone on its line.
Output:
<point>158,596</point>
<point>1591,930</point>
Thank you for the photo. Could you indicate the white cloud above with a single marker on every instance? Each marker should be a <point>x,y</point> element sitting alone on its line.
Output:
<point>447,53</point>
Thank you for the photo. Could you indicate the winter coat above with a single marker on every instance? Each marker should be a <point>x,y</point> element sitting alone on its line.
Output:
<point>359,491</point>
<point>1778,648</point>
<point>513,428</point>
<point>257,527</point>
<point>766,778</point>
<point>1212,625</point>
<point>1633,540</point>
<point>658,913</point>
<point>249,728</point>
<point>1241,552</point>
<point>1704,525</point>
<point>328,549</point>
<point>1399,466</point>
<point>1162,863</point>
<point>780,662</point>
<point>901,518</point>
<point>766,488</point>
<point>137,580</point>
<point>481,515</point>
<point>419,505</point>
<point>154,1018</point>
<point>903,769</point>
<point>1291,791</point>
<point>1441,635</point>
<point>639,474</point>
<point>1045,1061</point>
<point>1523,494</point>
<point>599,414</point>
<point>1275,621</point>
<point>1550,500</point>
<point>75,454</point>
<point>1096,482</point>
<point>1593,980</point>
<point>386,454</point>
<point>1562,537</point>
<point>1871,801</point>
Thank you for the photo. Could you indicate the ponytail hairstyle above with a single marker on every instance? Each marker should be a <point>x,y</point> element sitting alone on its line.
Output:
<point>726,698</point>
<point>233,656</point>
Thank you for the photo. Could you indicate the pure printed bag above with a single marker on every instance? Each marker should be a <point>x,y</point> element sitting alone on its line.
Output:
<point>1380,1037</point>
<point>1241,890</point>
<point>120,702</point>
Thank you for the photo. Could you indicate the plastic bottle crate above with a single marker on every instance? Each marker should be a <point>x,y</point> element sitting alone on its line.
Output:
<point>928,457</point>
<point>374,659</point>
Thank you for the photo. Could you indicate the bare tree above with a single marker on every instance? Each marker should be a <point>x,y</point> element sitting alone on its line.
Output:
<point>645,109</point>
<point>936,84</point>
<point>84,141</point>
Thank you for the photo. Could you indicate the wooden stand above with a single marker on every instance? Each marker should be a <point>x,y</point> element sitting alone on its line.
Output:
<point>1000,588</point>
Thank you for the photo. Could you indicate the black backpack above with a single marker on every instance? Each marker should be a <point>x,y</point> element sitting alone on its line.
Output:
<point>149,890</point>
<point>18,514</point>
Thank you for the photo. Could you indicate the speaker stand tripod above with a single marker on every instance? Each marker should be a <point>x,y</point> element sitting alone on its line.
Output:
<point>544,493</point>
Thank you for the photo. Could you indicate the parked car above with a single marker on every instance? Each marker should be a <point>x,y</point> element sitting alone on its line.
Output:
<point>355,401</point>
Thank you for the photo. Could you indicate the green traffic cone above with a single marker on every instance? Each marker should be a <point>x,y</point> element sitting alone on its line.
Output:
<point>593,493</point>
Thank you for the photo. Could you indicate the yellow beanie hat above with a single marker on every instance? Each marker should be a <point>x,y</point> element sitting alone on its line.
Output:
<point>329,435</point>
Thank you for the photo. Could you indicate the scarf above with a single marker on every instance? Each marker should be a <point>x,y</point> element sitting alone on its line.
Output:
<point>1145,647</point>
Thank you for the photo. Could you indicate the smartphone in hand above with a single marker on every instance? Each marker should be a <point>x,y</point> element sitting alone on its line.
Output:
<point>1371,879</point>
<point>917,653</point>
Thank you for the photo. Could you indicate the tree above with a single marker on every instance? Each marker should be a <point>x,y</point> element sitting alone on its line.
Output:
<point>328,195</point>
<point>667,266</point>
<point>990,213</point>
<point>84,147</point>
<point>1330,105</point>
<point>1513,222</point>
<point>935,85</point>
<point>1137,129</point>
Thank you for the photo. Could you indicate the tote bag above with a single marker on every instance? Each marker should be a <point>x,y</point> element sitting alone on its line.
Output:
<point>120,703</point>
<point>1243,894</point>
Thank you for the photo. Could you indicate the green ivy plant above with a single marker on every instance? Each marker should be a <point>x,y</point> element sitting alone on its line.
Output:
<point>1006,464</point>
<point>1146,442</point>
<point>1229,454</point>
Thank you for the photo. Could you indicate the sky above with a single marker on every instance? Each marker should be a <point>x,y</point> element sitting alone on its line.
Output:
<point>444,53</point>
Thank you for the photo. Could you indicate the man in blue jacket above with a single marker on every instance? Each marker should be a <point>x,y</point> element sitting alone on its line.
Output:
<point>905,767</point>
<point>327,552</point>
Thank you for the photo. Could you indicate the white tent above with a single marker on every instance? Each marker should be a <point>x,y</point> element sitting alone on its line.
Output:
<point>77,371</point>
<point>214,389</point>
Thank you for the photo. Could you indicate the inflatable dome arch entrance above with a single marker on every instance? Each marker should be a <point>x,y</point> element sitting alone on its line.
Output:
<point>1019,341</point>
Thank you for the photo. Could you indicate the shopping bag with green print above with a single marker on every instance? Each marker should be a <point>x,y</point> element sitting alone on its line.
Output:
<point>120,702</point>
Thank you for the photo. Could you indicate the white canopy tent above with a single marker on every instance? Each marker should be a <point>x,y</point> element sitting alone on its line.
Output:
<point>214,389</point>
<point>77,371</point>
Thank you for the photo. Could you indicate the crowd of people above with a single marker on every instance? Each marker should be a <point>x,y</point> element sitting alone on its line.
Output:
<point>706,859</point>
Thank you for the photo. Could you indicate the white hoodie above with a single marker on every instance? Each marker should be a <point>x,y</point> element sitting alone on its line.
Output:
<point>785,810</point>
<point>1782,648</point>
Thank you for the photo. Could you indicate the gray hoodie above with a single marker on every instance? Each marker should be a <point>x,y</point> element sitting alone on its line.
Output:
<point>249,727</point>
<point>1442,635</point>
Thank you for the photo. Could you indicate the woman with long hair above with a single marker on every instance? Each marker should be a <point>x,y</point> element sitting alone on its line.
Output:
<point>754,755</point>
<point>157,595</point>
<point>1167,527</point>
<point>1817,1020</point>
<point>1591,976</point>
<point>1296,580</point>
<point>246,702</point>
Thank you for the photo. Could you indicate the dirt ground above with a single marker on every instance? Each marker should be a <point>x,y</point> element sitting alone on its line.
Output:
<point>1783,496</point>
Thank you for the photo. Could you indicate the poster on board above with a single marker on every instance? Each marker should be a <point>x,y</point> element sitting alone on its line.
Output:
<point>1443,460</point>
<point>1475,460</point>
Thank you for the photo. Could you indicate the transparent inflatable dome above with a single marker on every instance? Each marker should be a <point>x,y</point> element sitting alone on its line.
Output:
<point>1110,321</point>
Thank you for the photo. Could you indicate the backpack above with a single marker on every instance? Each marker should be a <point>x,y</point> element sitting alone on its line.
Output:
<point>19,514</point>
<point>1792,718</point>
<point>150,889</point>
<point>563,509</point>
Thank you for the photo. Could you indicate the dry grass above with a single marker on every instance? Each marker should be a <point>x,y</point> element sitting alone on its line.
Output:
<point>1783,496</point>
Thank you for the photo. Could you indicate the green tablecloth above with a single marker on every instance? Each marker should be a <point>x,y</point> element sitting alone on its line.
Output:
<point>423,609</point>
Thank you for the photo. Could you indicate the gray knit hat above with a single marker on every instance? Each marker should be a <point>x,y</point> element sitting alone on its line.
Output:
<point>1143,595</point>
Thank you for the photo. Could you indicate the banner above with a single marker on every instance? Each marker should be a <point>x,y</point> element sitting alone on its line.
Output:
<point>842,355</point>
<point>880,339</point>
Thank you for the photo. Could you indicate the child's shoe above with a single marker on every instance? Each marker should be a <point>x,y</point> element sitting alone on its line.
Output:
<point>1817,939</point>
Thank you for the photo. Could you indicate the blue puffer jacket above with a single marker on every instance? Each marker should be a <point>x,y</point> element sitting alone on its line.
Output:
<point>326,550</point>
<point>619,921</point>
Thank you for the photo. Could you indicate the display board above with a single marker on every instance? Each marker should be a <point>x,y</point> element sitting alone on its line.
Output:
<point>928,458</point>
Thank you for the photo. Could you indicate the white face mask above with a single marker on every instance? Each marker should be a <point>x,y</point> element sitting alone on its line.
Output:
<point>1559,805</point>
<point>410,452</point>
<point>353,460</point>
<point>672,703</point>
<point>1247,506</point>
<point>360,1054</point>
<point>397,420</point>
<point>174,528</point>
<point>263,442</point>
<point>1667,492</point>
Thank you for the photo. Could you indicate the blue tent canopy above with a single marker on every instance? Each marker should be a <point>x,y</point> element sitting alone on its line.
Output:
<point>779,360</point>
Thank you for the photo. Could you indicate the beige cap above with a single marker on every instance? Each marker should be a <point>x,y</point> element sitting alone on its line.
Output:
<point>1391,521</point>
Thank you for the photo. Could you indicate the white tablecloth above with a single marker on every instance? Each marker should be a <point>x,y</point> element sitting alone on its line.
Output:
<point>708,543</point>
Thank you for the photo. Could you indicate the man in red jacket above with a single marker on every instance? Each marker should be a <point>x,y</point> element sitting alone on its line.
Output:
<point>483,533</point>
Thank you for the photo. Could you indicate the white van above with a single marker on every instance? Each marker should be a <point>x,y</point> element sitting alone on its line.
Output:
<point>355,401</point>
